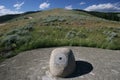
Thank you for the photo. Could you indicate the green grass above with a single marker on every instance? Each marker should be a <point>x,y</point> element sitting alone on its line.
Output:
<point>53,29</point>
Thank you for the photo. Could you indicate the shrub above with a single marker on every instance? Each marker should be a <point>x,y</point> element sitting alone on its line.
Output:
<point>61,19</point>
<point>1,34</point>
<point>57,27</point>
<point>110,35</point>
<point>81,35</point>
<point>21,31</point>
<point>71,34</point>
<point>16,37</point>
<point>54,19</point>
<point>28,27</point>
<point>50,19</point>
<point>9,42</point>
<point>14,41</point>
<point>74,33</point>
<point>113,34</point>
<point>14,31</point>
<point>10,39</point>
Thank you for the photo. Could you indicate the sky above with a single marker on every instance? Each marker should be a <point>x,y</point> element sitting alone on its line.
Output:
<point>20,6</point>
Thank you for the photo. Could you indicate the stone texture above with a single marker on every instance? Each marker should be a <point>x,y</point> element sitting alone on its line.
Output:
<point>62,62</point>
<point>29,65</point>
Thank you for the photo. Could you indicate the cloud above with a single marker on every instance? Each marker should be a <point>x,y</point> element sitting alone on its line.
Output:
<point>106,7</point>
<point>2,7</point>
<point>4,11</point>
<point>69,7</point>
<point>82,3</point>
<point>18,5</point>
<point>44,5</point>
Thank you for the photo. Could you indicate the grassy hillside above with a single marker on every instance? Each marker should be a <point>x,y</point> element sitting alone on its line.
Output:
<point>8,17</point>
<point>57,27</point>
<point>108,16</point>
<point>113,16</point>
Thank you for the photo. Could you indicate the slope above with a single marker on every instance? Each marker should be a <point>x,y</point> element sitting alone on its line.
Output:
<point>57,27</point>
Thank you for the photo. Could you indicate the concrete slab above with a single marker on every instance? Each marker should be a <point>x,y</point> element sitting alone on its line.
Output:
<point>92,64</point>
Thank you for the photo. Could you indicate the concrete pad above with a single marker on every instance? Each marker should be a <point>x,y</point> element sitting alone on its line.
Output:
<point>92,64</point>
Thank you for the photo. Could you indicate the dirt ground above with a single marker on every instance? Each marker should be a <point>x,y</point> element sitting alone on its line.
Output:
<point>92,64</point>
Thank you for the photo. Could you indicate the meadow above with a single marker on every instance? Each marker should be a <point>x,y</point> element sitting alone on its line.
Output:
<point>52,29</point>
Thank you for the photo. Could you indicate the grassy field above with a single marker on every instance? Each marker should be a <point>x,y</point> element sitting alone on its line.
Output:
<point>57,27</point>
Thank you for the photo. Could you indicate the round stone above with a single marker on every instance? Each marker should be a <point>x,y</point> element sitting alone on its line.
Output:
<point>62,62</point>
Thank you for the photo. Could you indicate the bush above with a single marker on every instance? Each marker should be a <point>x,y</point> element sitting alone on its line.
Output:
<point>16,38</point>
<point>10,39</point>
<point>110,35</point>
<point>61,19</point>
<point>57,27</point>
<point>81,35</point>
<point>54,19</point>
<point>28,27</point>
<point>71,34</point>
<point>14,31</point>
<point>74,33</point>
<point>21,31</point>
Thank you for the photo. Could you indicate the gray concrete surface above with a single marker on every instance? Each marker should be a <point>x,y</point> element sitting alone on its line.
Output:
<point>92,64</point>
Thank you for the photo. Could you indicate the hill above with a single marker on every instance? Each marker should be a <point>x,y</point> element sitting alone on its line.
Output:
<point>57,27</point>
<point>114,16</point>
<point>8,17</point>
<point>109,16</point>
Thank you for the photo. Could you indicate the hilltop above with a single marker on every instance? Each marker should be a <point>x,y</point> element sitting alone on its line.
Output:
<point>58,27</point>
<point>115,16</point>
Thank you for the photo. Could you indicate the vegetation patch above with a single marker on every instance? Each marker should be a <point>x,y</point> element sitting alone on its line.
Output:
<point>15,38</point>
<point>48,30</point>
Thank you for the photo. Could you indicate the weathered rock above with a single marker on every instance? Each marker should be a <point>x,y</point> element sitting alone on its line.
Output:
<point>62,62</point>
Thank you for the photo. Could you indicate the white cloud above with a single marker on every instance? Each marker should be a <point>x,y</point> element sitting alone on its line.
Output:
<point>107,7</point>
<point>4,11</point>
<point>44,5</point>
<point>82,3</point>
<point>18,5</point>
<point>69,7</point>
<point>2,7</point>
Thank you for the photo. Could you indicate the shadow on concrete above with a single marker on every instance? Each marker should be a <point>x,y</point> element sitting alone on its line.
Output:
<point>82,68</point>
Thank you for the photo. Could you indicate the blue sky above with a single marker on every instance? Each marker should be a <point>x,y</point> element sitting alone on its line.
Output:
<point>20,6</point>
